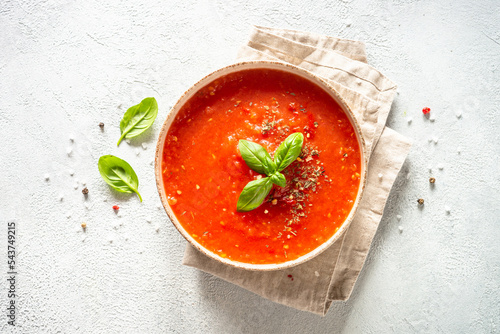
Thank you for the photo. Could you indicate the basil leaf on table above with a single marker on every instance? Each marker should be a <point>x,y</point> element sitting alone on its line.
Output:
<point>279,179</point>
<point>288,151</point>
<point>138,118</point>
<point>256,157</point>
<point>119,174</point>
<point>254,194</point>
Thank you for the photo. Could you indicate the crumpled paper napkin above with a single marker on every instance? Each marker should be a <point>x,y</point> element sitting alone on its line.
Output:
<point>331,275</point>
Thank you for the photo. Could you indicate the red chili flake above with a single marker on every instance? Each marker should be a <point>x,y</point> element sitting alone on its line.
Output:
<point>116,207</point>
<point>426,110</point>
<point>290,277</point>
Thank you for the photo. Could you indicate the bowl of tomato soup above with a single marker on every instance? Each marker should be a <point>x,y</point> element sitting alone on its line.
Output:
<point>200,172</point>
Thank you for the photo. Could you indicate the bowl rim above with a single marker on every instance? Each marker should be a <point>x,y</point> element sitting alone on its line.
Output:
<point>260,64</point>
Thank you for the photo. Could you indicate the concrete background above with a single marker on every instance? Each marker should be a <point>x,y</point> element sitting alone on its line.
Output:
<point>65,67</point>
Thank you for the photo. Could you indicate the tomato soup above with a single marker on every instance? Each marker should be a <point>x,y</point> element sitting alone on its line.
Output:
<point>204,173</point>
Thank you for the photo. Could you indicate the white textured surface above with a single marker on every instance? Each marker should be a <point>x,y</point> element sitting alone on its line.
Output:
<point>66,67</point>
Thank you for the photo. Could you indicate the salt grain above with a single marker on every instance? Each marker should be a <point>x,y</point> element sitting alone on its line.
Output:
<point>148,219</point>
<point>137,152</point>
<point>399,217</point>
<point>447,209</point>
<point>105,200</point>
<point>84,183</point>
<point>127,141</point>
<point>400,229</point>
<point>71,172</point>
<point>144,146</point>
<point>71,138</point>
<point>432,118</point>
<point>429,139</point>
<point>68,215</point>
<point>408,176</point>
<point>316,274</point>
<point>380,175</point>
<point>441,166</point>
<point>459,150</point>
<point>152,162</point>
<point>69,151</point>
<point>159,206</point>
<point>75,186</point>
<point>47,177</point>
<point>429,168</point>
<point>410,120</point>
<point>61,197</point>
<point>458,114</point>
<point>436,139</point>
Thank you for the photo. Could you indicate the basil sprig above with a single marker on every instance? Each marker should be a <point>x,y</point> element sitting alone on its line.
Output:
<point>119,174</point>
<point>138,118</point>
<point>258,159</point>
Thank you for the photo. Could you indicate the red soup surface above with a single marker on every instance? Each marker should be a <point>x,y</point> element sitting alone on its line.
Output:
<point>204,173</point>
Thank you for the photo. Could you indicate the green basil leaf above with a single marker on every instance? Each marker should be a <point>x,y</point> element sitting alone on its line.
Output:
<point>256,157</point>
<point>254,194</point>
<point>138,118</point>
<point>279,179</point>
<point>288,151</point>
<point>119,174</point>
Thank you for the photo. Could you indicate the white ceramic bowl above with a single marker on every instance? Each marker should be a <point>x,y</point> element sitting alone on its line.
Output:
<point>235,68</point>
